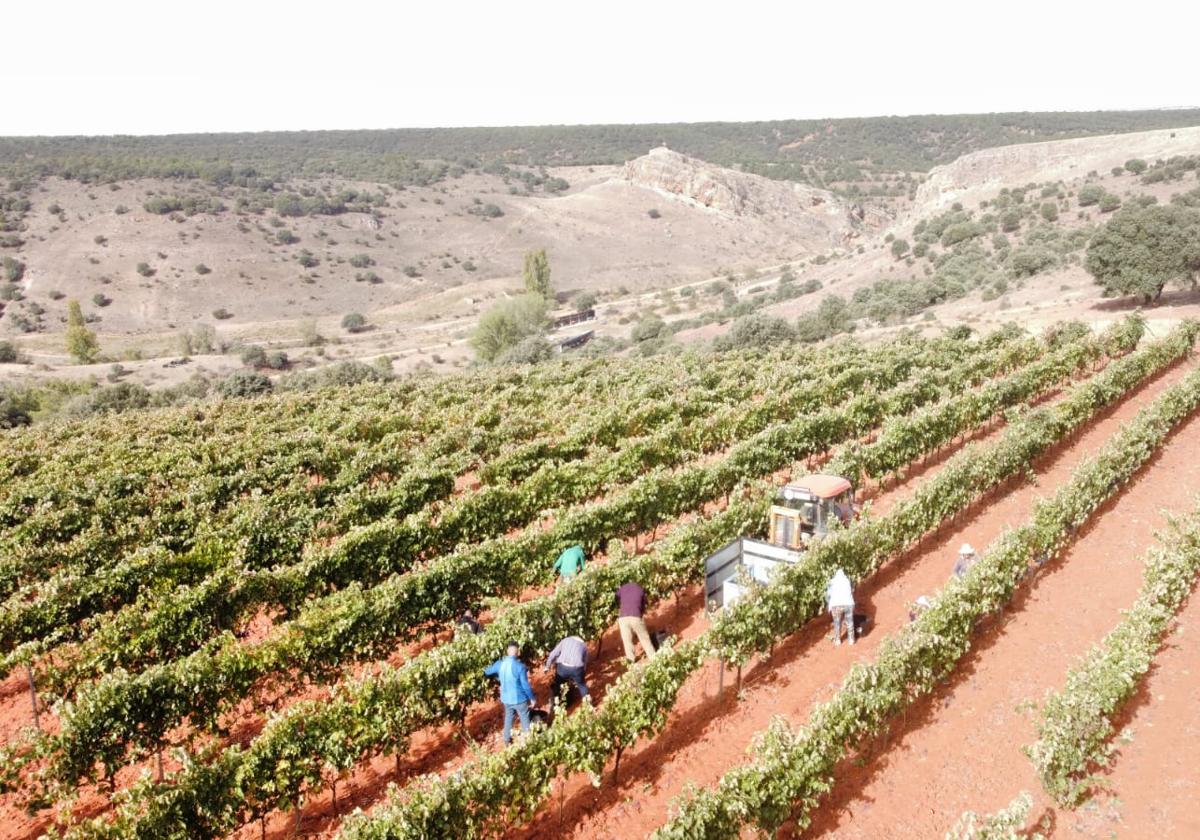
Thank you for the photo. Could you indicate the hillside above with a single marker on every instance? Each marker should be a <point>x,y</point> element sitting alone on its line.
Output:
<point>211,270</point>
<point>822,152</point>
<point>420,261</point>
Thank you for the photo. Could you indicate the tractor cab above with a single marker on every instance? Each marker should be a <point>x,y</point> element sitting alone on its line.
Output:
<point>802,511</point>
<point>808,507</point>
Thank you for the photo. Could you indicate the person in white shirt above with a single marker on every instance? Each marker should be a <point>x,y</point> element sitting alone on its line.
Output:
<point>840,597</point>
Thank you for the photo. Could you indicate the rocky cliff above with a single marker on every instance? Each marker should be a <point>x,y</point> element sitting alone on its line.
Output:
<point>815,213</point>
<point>982,174</point>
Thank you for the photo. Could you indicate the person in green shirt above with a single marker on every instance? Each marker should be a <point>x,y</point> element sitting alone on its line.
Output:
<point>569,563</point>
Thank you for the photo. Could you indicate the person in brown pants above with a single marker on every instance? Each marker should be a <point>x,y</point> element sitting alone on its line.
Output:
<point>632,599</point>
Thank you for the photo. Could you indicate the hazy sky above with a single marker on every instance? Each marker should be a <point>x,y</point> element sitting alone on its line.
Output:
<point>154,67</point>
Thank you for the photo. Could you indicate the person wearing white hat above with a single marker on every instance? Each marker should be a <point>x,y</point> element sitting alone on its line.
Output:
<point>966,559</point>
<point>919,606</point>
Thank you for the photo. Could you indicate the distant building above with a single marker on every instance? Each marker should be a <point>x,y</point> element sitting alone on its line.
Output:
<point>574,342</point>
<point>573,318</point>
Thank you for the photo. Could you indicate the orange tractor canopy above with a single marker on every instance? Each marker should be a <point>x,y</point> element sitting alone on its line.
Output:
<point>808,507</point>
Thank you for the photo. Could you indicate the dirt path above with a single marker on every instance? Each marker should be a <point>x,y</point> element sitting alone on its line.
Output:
<point>707,735</point>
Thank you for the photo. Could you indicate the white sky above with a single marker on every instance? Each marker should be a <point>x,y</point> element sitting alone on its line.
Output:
<point>133,67</point>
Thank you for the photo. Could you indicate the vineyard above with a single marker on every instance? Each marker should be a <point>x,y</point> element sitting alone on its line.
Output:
<point>236,619</point>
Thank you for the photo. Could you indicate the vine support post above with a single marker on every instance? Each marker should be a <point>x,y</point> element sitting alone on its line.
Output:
<point>562,790</point>
<point>617,765</point>
<point>737,685</point>
<point>159,765</point>
<point>33,700</point>
<point>721,677</point>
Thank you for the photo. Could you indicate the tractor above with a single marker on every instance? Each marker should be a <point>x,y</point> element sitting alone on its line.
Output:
<point>803,511</point>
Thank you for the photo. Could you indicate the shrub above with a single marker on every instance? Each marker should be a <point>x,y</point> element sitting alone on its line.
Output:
<point>202,269</point>
<point>55,294</point>
<point>361,261</point>
<point>340,374</point>
<point>758,330</point>
<point>14,270</point>
<point>468,265</point>
<point>100,240</point>
<point>14,412</point>
<point>145,270</point>
<point>307,258</point>
<point>648,328</point>
<point>113,400</point>
<point>530,350</point>
<point>507,324</point>
<point>1090,194</point>
<point>1109,202</point>
<point>354,322</point>
<point>1050,211</point>
<point>411,271</point>
<point>585,301</point>
<point>222,314</point>
<point>1010,221</point>
<point>653,213</point>
<point>368,277</point>
<point>8,353</point>
<point>101,300</point>
<point>254,356</point>
<point>1028,260</point>
<point>1136,165</point>
<point>833,316</point>
<point>277,360</point>
<point>244,383</point>
<point>899,248</point>
<point>286,237</point>
<point>961,232</point>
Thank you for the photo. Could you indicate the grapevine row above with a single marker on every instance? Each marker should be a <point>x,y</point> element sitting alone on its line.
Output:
<point>123,711</point>
<point>795,769</point>
<point>485,798</point>
<point>1076,724</point>
<point>163,628</point>
<point>383,712</point>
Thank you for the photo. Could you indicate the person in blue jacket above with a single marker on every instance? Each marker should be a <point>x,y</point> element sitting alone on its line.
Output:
<point>515,691</point>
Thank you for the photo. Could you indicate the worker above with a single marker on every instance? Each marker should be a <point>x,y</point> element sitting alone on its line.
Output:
<point>632,600</point>
<point>515,692</point>
<point>844,509</point>
<point>840,597</point>
<point>569,661</point>
<point>966,559</point>
<point>569,563</point>
<point>467,624</point>
<point>919,606</point>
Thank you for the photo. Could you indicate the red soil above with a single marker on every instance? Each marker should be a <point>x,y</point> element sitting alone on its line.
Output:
<point>961,748</point>
<point>707,735</point>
